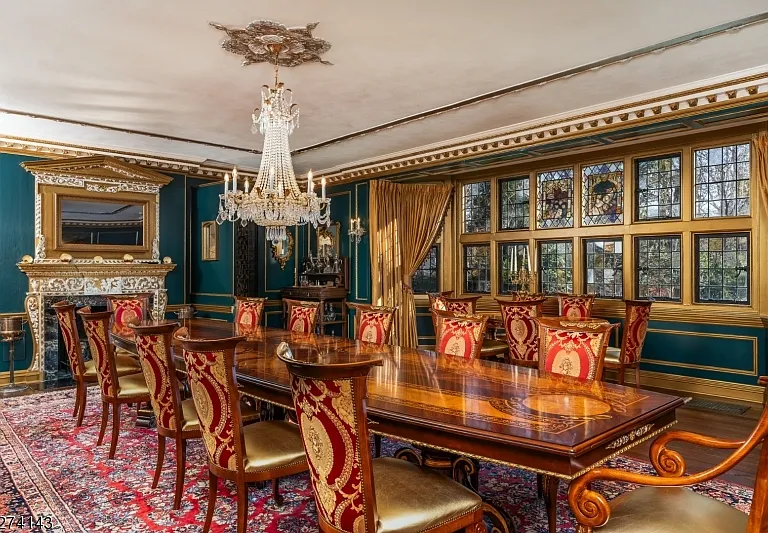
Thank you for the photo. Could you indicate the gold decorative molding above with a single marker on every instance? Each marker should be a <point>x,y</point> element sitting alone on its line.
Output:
<point>98,167</point>
<point>221,309</point>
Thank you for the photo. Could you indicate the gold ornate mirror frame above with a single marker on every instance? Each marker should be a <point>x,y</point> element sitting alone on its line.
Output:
<point>328,238</point>
<point>283,250</point>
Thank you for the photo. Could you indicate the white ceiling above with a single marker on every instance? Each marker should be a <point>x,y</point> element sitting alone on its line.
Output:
<point>156,67</point>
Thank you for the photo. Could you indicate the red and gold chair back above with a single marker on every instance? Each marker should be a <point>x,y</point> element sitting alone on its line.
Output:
<point>373,323</point>
<point>459,334</point>
<point>437,300</point>
<point>637,316</point>
<point>464,305</point>
<point>331,412</point>
<point>65,312</point>
<point>301,316</point>
<point>154,346</point>
<point>573,348</point>
<point>211,373</point>
<point>128,310</point>
<point>575,306</point>
<point>526,297</point>
<point>97,331</point>
<point>248,313</point>
<point>522,330</point>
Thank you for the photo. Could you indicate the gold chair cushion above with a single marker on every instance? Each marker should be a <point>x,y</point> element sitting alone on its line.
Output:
<point>612,355</point>
<point>493,347</point>
<point>410,498</point>
<point>671,510</point>
<point>189,421</point>
<point>248,413</point>
<point>132,385</point>
<point>272,444</point>
<point>125,365</point>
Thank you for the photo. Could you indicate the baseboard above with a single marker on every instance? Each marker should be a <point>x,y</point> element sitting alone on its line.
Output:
<point>699,386</point>
<point>20,376</point>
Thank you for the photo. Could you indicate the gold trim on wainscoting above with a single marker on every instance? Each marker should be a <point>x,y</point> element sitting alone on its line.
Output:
<point>222,309</point>
<point>228,295</point>
<point>21,376</point>
<point>22,314</point>
<point>723,370</point>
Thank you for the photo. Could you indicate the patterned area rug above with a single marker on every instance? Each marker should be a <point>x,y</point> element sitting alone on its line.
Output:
<point>53,471</point>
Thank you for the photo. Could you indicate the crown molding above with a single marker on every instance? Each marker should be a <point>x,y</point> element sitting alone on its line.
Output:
<point>641,111</point>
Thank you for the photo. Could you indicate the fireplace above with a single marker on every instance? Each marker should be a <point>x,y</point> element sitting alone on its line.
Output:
<point>55,359</point>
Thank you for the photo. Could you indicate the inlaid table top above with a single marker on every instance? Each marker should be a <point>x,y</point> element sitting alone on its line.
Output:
<point>485,409</point>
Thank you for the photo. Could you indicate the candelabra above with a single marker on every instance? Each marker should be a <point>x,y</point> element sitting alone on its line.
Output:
<point>525,281</point>
<point>356,230</point>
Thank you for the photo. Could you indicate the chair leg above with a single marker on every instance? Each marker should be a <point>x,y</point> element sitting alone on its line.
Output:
<point>540,485</point>
<point>550,498</point>
<point>115,429</point>
<point>637,375</point>
<point>276,492</point>
<point>181,467</point>
<point>160,459</point>
<point>242,507</point>
<point>621,375</point>
<point>104,417</point>
<point>213,489</point>
<point>76,410</point>
<point>377,444</point>
<point>83,398</point>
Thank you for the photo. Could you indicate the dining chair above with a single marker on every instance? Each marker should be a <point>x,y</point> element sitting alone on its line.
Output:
<point>84,372</point>
<point>636,317</point>
<point>435,299</point>
<point>116,390</point>
<point>373,323</point>
<point>243,454</point>
<point>522,330</point>
<point>459,334</point>
<point>575,305</point>
<point>248,313</point>
<point>662,504</point>
<point>353,492</point>
<point>127,309</point>
<point>573,348</point>
<point>175,418</point>
<point>300,316</point>
<point>492,347</point>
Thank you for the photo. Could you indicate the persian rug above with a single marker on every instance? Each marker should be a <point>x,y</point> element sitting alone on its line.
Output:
<point>53,471</point>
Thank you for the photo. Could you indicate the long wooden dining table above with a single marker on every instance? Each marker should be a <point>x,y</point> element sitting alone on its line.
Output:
<point>457,412</point>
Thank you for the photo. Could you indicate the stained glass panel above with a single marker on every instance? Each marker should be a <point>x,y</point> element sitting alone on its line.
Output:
<point>658,267</point>
<point>514,257</point>
<point>722,265</point>
<point>603,193</point>
<point>477,268</point>
<point>555,201</point>
<point>477,207</point>
<point>515,194</point>
<point>721,178</point>
<point>427,276</point>
<point>556,267</point>
<point>657,190</point>
<point>604,267</point>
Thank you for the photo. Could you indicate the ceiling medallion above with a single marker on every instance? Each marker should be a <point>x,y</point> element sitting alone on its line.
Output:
<point>253,42</point>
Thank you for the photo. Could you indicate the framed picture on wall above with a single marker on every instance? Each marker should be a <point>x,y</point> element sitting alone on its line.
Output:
<point>210,248</point>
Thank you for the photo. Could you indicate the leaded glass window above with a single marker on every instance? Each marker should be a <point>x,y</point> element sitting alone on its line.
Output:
<point>477,268</point>
<point>658,267</point>
<point>722,265</point>
<point>556,267</point>
<point>721,178</point>
<point>604,267</point>
<point>555,200</point>
<point>658,187</point>
<point>477,207</point>
<point>514,257</point>
<point>515,193</point>
<point>427,276</point>
<point>603,193</point>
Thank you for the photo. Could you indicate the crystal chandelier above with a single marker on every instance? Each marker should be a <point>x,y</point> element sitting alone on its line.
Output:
<point>275,200</point>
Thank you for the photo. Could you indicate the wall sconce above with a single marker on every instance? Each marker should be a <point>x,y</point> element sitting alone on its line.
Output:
<point>356,230</point>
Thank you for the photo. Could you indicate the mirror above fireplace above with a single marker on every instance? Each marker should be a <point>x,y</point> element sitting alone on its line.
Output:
<point>100,223</point>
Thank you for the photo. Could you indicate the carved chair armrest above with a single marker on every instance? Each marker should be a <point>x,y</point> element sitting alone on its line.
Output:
<point>669,463</point>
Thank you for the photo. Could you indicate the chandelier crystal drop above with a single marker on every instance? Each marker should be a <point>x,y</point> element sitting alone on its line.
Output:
<point>275,200</point>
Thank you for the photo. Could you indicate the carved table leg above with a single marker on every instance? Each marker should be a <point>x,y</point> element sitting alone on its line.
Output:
<point>550,486</point>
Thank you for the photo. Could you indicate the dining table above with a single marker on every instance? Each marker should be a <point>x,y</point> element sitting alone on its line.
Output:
<point>452,413</point>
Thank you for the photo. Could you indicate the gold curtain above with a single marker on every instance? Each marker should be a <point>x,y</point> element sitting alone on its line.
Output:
<point>760,149</point>
<point>405,221</point>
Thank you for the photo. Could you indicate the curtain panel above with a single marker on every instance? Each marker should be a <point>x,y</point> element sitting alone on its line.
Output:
<point>405,220</point>
<point>760,149</point>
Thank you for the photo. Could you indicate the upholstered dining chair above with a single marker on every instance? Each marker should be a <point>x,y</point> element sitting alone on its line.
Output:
<point>263,451</point>
<point>84,372</point>
<point>300,316</point>
<point>492,347</point>
<point>575,305</point>
<point>522,330</point>
<point>353,492</point>
<point>248,313</point>
<point>175,418</point>
<point>636,318</point>
<point>573,348</point>
<point>662,504</point>
<point>373,323</point>
<point>459,334</point>
<point>127,309</point>
<point>116,390</point>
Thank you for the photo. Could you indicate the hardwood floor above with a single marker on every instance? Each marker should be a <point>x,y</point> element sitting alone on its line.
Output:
<point>717,424</point>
